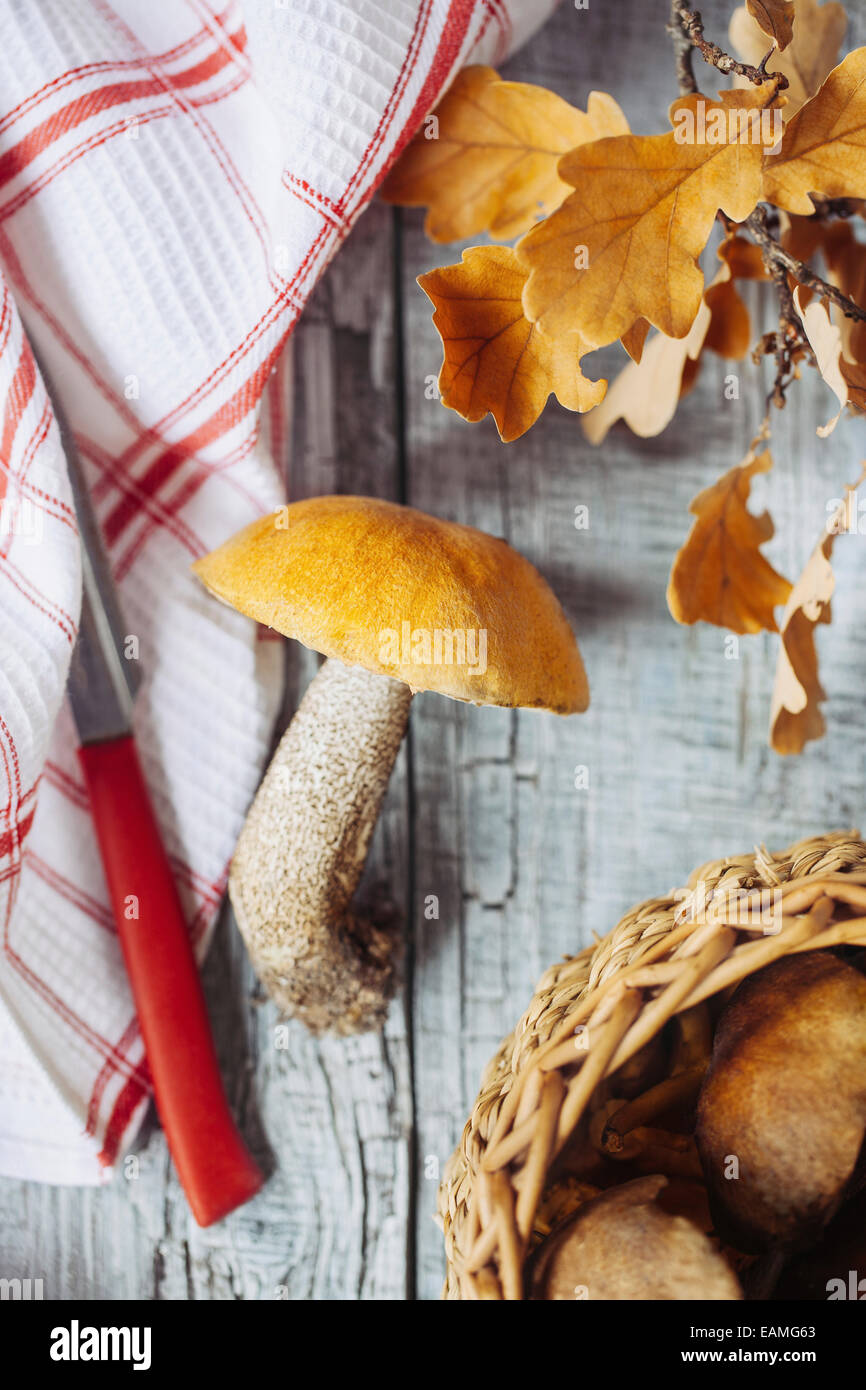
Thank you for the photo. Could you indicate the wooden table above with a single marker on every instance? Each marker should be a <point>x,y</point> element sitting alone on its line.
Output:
<point>483,812</point>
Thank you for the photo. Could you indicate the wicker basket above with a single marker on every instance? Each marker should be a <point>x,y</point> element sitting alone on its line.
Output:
<point>593,1012</point>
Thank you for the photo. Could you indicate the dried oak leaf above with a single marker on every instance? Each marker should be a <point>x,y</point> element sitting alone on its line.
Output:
<point>625,244</point>
<point>829,341</point>
<point>846,265</point>
<point>825,340</point>
<point>633,341</point>
<point>730,331</point>
<point>647,391</point>
<point>743,258</point>
<point>807,60</point>
<point>824,146</point>
<point>855,380</point>
<point>803,236</point>
<point>495,360</point>
<point>491,165</point>
<point>795,718</point>
<point>775,18</point>
<point>720,576</point>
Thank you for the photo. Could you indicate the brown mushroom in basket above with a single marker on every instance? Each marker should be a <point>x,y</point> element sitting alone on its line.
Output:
<point>624,1245</point>
<point>399,602</point>
<point>782,1111</point>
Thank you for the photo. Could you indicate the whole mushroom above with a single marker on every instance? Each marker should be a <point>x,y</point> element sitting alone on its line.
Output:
<point>624,1245</point>
<point>399,602</point>
<point>782,1111</point>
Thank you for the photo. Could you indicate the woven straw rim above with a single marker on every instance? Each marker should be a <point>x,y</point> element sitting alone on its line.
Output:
<point>735,916</point>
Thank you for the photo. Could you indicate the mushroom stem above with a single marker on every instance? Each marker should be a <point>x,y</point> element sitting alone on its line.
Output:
<point>302,850</point>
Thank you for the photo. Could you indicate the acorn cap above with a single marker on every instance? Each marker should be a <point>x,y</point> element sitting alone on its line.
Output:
<point>440,606</point>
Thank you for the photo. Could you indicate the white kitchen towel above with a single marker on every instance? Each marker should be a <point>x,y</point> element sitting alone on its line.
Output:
<point>174,177</point>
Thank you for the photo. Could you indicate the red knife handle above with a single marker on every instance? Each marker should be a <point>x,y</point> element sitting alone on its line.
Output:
<point>215,1169</point>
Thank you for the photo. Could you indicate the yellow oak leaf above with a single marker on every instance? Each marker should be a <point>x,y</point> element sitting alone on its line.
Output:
<point>807,60</point>
<point>720,576</point>
<point>497,362</point>
<point>625,244</point>
<point>824,146</point>
<point>794,714</point>
<point>775,18</point>
<point>486,160</point>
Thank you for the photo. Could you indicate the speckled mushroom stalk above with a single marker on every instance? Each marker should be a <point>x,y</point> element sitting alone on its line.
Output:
<point>303,847</point>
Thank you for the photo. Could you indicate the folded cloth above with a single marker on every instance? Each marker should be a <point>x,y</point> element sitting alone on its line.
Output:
<point>173,180</point>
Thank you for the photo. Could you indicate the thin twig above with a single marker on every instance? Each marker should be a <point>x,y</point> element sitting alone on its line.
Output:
<point>788,337</point>
<point>682,52</point>
<point>775,255</point>
<point>687,26</point>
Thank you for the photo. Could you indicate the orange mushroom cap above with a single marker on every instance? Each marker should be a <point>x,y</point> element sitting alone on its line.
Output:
<point>435,604</point>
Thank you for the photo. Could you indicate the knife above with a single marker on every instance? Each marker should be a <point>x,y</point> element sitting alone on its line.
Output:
<point>215,1168</point>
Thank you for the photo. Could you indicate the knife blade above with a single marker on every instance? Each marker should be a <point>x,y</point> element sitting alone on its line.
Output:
<point>102,682</point>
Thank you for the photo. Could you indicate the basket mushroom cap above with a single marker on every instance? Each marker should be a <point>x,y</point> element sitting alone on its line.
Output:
<point>437,605</point>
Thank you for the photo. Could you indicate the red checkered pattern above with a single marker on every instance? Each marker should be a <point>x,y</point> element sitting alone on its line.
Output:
<point>173,180</point>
